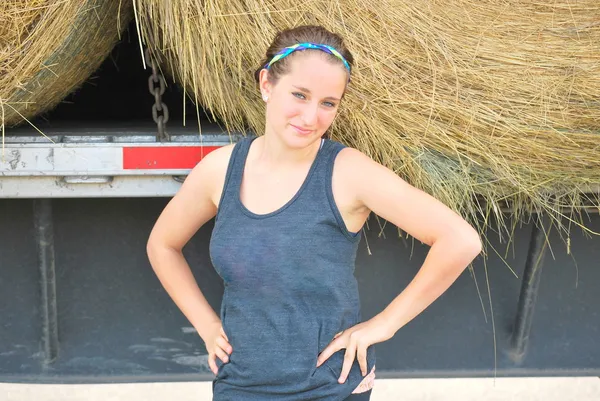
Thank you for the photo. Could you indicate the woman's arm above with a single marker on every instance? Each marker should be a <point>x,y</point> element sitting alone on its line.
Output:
<point>193,205</point>
<point>454,245</point>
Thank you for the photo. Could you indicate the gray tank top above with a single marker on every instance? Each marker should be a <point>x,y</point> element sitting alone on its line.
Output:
<point>289,288</point>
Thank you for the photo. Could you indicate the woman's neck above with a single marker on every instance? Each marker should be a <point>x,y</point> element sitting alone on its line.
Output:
<point>272,151</point>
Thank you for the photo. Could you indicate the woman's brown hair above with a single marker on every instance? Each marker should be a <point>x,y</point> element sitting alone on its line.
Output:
<point>300,34</point>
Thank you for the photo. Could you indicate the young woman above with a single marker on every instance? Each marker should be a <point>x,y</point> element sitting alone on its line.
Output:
<point>289,208</point>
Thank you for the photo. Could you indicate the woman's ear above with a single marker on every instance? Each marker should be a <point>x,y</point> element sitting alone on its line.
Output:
<point>264,84</point>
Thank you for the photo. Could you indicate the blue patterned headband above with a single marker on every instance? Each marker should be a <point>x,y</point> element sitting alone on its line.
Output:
<point>286,51</point>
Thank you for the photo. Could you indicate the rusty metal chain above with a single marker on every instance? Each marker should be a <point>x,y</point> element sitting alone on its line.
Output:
<point>157,91</point>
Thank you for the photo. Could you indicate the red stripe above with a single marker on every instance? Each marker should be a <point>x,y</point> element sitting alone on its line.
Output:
<point>168,157</point>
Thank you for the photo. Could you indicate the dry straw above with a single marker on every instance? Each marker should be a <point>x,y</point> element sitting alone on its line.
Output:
<point>486,105</point>
<point>49,47</point>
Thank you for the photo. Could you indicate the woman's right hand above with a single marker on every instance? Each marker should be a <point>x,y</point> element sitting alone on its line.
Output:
<point>217,345</point>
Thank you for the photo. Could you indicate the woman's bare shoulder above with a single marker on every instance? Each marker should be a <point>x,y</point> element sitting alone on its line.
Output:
<point>219,158</point>
<point>194,204</point>
<point>210,172</point>
<point>349,161</point>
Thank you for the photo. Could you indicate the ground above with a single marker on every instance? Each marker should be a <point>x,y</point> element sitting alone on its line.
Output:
<point>517,389</point>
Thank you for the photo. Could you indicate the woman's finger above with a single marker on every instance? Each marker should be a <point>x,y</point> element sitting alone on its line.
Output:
<point>224,345</point>
<point>349,357</point>
<point>223,334</point>
<point>212,364</point>
<point>222,355</point>
<point>361,355</point>
<point>331,349</point>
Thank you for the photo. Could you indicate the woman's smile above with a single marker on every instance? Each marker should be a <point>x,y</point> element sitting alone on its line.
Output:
<point>301,130</point>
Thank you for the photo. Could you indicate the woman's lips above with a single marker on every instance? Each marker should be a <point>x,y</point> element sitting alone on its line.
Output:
<point>301,131</point>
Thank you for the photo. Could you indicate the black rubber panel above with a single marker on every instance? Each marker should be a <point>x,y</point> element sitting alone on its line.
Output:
<point>117,324</point>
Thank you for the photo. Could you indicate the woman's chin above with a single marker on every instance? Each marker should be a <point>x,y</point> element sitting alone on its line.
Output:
<point>297,138</point>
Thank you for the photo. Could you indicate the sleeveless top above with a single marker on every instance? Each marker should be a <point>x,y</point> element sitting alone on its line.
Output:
<point>289,289</point>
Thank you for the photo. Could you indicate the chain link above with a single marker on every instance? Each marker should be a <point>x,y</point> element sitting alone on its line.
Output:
<point>157,91</point>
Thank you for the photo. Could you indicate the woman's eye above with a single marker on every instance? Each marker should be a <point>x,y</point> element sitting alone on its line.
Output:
<point>329,104</point>
<point>299,95</point>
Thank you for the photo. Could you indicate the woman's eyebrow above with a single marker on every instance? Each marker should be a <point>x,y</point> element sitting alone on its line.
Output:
<point>307,91</point>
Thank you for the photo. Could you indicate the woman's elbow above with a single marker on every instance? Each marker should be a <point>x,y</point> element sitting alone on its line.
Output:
<point>152,243</point>
<point>151,249</point>
<point>466,241</point>
<point>472,243</point>
<point>156,245</point>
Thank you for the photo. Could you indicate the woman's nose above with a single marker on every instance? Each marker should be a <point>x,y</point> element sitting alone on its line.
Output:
<point>309,116</point>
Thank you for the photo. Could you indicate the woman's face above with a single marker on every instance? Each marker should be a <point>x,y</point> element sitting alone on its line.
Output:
<point>303,103</point>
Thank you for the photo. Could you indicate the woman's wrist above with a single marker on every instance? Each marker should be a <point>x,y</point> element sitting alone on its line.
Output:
<point>386,324</point>
<point>204,328</point>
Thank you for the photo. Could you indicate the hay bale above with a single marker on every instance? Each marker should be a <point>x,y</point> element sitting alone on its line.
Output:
<point>49,47</point>
<point>467,99</point>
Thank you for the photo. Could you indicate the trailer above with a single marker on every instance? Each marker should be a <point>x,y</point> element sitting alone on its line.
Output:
<point>80,303</point>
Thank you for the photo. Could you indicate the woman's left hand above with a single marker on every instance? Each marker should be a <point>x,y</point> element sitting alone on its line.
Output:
<point>356,340</point>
